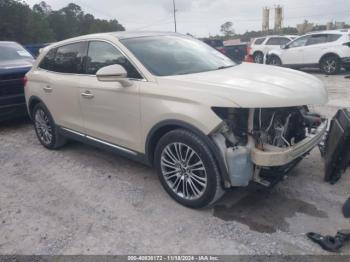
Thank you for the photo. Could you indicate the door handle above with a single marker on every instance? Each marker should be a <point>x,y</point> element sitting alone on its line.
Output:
<point>47,89</point>
<point>87,94</point>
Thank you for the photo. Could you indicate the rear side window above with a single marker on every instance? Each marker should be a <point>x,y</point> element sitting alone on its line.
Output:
<point>277,41</point>
<point>69,58</point>
<point>333,37</point>
<point>101,54</point>
<point>317,39</point>
<point>259,41</point>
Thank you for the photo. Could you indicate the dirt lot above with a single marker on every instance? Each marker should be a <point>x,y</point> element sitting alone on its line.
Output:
<point>81,200</point>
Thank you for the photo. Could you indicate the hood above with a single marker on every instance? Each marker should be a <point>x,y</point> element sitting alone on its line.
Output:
<point>14,66</point>
<point>257,86</point>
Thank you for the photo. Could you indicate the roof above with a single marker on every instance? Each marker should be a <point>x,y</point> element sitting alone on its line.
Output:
<point>136,34</point>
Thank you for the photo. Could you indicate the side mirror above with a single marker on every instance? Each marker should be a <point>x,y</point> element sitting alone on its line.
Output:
<point>113,73</point>
<point>284,46</point>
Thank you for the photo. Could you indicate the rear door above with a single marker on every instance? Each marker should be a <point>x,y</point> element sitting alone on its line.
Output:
<point>60,78</point>
<point>275,43</point>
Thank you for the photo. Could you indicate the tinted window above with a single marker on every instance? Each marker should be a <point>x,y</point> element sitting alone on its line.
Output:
<point>301,41</point>
<point>317,39</point>
<point>69,58</point>
<point>278,41</point>
<point>48,61</point>
<point>101,54</point>
<point>333,37</point>
<point>259,41</point>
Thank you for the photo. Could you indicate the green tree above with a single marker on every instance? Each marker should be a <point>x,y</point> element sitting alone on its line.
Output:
<point>227,30</point>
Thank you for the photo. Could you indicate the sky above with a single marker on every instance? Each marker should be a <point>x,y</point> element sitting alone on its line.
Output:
<point>202,18</point>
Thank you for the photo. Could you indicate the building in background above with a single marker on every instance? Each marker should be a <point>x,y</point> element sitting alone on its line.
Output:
<point>305,27</point>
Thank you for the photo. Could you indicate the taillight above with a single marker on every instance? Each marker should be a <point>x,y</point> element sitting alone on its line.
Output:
<point>24,81</point>
<point>249,50</point>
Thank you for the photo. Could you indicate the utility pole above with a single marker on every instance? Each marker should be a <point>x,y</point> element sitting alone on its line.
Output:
<point>174,15</point>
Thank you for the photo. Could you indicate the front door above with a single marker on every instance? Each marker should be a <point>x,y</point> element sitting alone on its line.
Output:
<point>294,53</point>
<point>111,111</point>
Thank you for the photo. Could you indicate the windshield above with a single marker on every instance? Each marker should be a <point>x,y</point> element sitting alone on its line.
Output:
<point>13,51</point>
<point>176,55</point>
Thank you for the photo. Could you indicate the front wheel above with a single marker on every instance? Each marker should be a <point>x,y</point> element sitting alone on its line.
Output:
<point>330,65</point>
<point>187,169</point>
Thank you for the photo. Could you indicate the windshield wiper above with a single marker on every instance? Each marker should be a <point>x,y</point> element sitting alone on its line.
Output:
<point>224,67</point>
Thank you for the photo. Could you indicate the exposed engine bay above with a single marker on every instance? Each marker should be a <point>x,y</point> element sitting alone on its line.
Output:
<point>266,142</point>
<point>283,127</point>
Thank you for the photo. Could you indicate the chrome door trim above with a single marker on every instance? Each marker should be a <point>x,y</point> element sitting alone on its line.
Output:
<point>101,141</point>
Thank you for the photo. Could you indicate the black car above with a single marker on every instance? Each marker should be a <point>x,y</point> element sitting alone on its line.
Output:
<point>15,62</point>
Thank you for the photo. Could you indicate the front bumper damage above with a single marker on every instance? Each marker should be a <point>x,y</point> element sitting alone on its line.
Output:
<point>244,163</point>
<point>275,156</point>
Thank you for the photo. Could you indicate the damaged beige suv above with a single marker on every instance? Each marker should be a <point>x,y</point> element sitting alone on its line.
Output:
<point>168,100</point>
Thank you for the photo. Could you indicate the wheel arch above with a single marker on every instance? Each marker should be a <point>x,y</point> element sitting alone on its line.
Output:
<point>328,54</point>
<point>32,102</point>
<point>160,129</point>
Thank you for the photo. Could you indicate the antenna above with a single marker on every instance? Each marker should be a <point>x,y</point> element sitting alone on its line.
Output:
<point>174,6</point>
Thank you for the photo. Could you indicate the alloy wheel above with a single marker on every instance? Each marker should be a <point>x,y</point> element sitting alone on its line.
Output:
<point>43,126</point>
<point>330,66</point>
<point>184,171</point>
<point>259,59</point>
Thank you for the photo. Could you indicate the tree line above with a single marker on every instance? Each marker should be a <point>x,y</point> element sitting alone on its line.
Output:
<point>40,24</point>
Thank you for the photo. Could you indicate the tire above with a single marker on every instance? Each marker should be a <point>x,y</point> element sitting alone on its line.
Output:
<point>258,58</point>
<point>46,129</point>
<point>330,65</point>
<point>275,61</point>
<point>197,186</point>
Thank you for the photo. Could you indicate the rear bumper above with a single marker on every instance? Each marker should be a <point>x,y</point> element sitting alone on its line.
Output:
<point>346,61</point>
<point>275,156</point>
<point>12,111</point>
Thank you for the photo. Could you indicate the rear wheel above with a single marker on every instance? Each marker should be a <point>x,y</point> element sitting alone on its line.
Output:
<point>187,169</point>
<point>46,129</point>
<point>330,65</point>
<point>275,60</point>
<point>258,58</point>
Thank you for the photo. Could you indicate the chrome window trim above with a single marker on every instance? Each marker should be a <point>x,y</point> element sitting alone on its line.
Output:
<point>144,79</point>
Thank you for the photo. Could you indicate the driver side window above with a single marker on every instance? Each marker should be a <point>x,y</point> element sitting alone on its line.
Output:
<point>101,54</point>
<point>299,42</point>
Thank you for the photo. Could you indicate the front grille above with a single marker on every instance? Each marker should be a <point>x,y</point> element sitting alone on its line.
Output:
<point>13,85</point>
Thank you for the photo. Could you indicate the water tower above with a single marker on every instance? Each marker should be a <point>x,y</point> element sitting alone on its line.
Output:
<point>266,19</point>
<point>278,18</point>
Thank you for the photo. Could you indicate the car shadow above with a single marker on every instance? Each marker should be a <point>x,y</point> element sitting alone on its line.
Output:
<point>262,210</point>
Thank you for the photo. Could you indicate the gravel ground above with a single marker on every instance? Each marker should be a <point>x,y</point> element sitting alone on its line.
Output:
<point>81,200</point>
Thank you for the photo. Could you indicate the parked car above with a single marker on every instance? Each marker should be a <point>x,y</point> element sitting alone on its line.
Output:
<point>261,46</point>
<point>34,49</point>
<point>170,101</point>
<point>15,62</point>
<point>329,50</point>
<point>236,52</point>
<point>218,44</point>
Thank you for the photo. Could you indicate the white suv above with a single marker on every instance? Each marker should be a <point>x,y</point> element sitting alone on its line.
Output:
<point>173,102</point>
<point>329,50</point>
<point>261,46</point>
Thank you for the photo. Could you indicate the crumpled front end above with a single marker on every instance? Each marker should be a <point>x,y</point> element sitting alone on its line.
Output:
<point>262,145</point>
